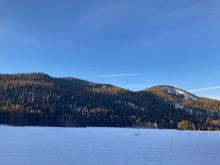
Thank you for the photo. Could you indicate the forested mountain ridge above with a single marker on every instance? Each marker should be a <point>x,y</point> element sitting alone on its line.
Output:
<point>40,100</point>
<point>185,98</point>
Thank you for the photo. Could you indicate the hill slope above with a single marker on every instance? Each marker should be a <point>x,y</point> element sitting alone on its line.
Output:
<point>41,100</point>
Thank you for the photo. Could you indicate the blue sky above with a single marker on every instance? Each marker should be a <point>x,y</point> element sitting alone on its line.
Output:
<point>131,43</point>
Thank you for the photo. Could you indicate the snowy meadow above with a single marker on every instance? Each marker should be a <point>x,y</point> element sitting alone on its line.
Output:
<point>107,146</point>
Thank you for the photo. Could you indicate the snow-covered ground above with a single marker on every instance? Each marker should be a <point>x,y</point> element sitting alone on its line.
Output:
<point>107,146</point>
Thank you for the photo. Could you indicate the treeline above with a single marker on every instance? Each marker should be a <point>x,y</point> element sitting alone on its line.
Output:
<point>39,100</point>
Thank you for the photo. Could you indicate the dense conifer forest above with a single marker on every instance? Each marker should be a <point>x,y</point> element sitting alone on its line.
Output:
<point>37,99</point>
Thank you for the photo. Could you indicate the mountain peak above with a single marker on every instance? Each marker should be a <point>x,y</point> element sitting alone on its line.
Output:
<point>177,92</point>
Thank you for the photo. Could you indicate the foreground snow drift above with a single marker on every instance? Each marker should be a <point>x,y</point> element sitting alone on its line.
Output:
<point>107,146</point>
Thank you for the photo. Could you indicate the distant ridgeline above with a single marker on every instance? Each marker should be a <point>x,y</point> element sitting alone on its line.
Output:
<point>38,99</point>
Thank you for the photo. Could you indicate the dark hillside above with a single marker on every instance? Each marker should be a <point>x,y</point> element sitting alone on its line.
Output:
<point>38,99</point>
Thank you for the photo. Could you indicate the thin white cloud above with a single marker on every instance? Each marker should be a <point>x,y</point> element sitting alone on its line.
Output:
<point>119,75</point>
<point>205,89</point>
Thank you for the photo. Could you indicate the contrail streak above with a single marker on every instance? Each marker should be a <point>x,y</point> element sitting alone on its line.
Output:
<point>120,75</point>
<point>205,89</point>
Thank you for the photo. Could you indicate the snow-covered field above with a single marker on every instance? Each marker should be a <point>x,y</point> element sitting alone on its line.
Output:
<point>107,146</point>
